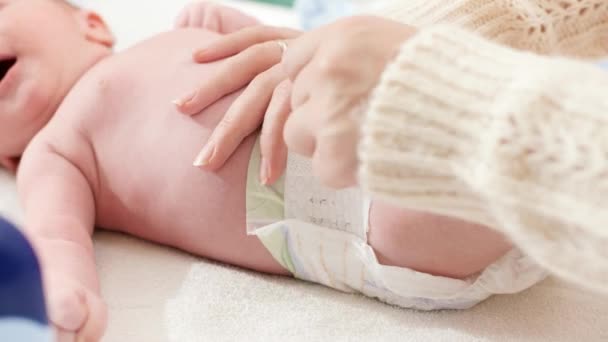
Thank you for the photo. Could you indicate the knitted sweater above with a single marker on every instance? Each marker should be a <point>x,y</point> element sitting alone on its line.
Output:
<point>462,126</point>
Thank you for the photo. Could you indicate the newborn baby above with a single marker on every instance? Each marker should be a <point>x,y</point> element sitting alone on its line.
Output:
<point>102,145</point>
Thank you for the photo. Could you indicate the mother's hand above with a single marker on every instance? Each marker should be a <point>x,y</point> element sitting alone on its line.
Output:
<point>253,57</point>
<point>334,71</point>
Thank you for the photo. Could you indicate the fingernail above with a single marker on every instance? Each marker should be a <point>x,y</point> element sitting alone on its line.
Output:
<point>265,171</point>
<point>184,100</point>
<point>204,157</point>
<point>199,54</point>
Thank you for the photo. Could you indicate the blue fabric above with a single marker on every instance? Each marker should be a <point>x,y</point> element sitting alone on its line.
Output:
<point>17,329</point>
<point>21,294</point>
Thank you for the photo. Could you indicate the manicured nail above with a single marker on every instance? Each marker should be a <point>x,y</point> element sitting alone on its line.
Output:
<point>184,100</point>
<point>198,55</point>
<point>265,171</point>
<point>204,157</point>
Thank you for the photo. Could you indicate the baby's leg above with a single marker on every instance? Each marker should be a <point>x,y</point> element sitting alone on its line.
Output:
<point>432,244</point>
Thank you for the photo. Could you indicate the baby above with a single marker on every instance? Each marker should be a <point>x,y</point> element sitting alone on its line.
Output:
<point>102,145</point>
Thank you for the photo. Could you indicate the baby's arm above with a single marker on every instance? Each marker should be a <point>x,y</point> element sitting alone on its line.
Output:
<point>213,17</point>
<point>433,244</point>
<point>59,219</point>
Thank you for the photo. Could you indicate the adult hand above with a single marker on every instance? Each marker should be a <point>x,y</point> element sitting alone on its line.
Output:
<point>253,59</point>
<point>334,70</point>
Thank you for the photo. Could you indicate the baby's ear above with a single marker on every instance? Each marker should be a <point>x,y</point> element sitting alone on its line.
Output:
<point>95,28</point>
<point>9,164</point>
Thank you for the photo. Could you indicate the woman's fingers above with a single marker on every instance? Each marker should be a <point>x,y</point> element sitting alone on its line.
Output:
<point>335,153</point>
<point>299,133</point>
<point>244,117</point>
<point>272,145</point>
<point>305,83</point>
<point>231,75</point>
<point>239,41</point>
<point>301,52</point>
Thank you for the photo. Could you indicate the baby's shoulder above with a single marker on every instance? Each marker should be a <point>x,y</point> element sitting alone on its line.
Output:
<point>147,69</point>
<point>97,99</point>
<point>108,79</point>
<point>69,133</point>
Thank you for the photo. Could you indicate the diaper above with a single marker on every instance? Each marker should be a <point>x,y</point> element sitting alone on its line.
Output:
<point>320,235</point>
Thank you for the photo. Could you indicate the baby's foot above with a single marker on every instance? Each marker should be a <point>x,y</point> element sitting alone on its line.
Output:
<point>76,312</point>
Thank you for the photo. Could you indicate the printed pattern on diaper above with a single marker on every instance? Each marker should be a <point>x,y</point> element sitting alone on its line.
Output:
<point>340,261</point>
<point>308,201</point>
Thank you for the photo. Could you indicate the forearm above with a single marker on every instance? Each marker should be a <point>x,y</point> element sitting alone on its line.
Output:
<point>68,257</point>
<point>570,27</point>
<point>464,127</point>
<point>63,245</point>
<point>59,215</point>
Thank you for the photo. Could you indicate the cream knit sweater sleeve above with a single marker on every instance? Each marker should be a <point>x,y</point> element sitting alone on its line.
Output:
<point>465,127</point>
<point>569,27</point>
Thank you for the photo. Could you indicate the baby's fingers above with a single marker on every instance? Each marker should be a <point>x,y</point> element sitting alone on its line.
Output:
<point>94,327</point>
<point>182,20</point>
<point>76,313</point>
<point>243,118</point>
<point>64,335</point>
<point>274,150</point>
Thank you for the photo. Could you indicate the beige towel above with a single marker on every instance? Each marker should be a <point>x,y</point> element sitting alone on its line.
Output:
<point>158,294</point>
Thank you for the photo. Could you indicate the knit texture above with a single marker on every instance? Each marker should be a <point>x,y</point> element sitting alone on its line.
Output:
<point>571,27</point>
<point>465,127</point>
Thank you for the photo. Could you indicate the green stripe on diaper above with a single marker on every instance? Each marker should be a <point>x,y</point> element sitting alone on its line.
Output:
<point>266,210</point>
<point>275,240</point>
<point>264,203</point>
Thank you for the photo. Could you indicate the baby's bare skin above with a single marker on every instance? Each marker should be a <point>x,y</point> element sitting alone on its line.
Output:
<point>136,151</point>
<point>117,155</point>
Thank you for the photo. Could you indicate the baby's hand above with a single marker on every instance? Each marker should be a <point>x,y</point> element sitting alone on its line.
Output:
<point>213,17</point>
<point>76,312</point>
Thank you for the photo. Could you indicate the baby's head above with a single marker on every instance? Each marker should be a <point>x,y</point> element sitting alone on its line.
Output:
<point>45,47</point>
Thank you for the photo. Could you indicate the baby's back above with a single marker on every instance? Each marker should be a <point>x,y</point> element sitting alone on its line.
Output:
<point>143,151</point>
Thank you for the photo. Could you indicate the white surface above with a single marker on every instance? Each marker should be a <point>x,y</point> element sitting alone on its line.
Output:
<point>133,20</point>
<point>155,293</point>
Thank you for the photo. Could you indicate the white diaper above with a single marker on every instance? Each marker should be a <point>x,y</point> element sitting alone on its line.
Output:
<point>323,239</point>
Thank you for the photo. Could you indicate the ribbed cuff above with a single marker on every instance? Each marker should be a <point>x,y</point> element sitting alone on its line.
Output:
<point>462,126</point>
<point>431,119</point>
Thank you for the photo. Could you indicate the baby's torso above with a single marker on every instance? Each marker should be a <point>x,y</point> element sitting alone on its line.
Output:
<point>143,148</point>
